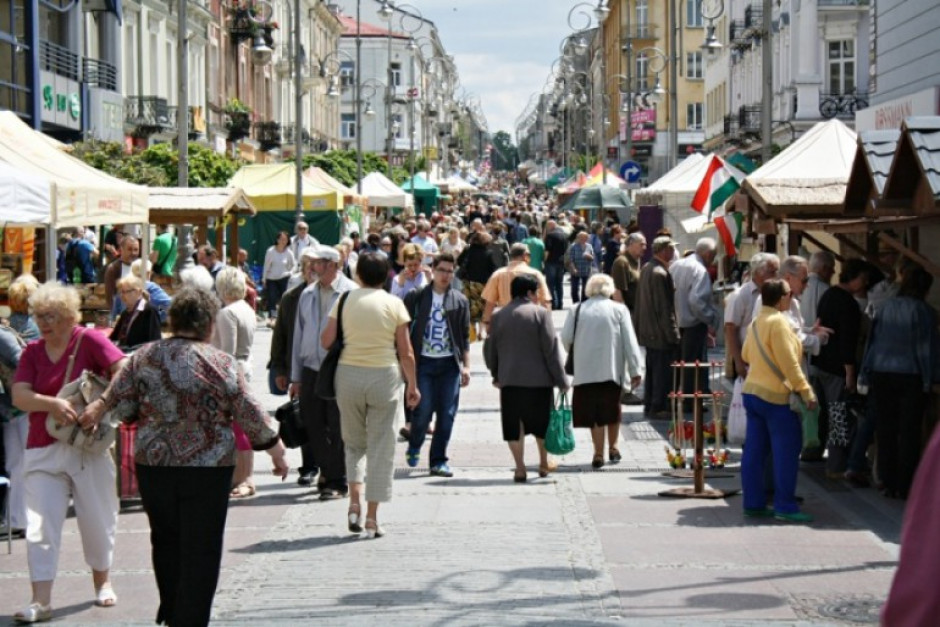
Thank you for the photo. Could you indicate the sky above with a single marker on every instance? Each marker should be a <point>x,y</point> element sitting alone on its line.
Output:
<point>504,49</point>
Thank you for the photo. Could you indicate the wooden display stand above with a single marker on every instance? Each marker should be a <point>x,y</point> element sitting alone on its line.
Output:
<point>697,471</point>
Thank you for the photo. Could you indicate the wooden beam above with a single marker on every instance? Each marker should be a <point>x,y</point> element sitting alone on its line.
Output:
<point>845,241</point>
<point>896,244</point>
<point>822,246</point>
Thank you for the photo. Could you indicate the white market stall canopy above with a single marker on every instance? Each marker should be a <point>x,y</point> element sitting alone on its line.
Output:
<point>457,184</point>
<point>78,193</point>
<point>673,192</point>
<point>382,192</point>
<point>24,197</point>
<point>809,176</point>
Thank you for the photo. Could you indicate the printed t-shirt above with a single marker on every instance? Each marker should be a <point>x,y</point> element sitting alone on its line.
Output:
<point>96,353</point>
<point>436,342</point>
<point>370,317</point>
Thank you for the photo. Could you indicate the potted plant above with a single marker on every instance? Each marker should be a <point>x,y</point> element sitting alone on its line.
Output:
<point>238,123</point>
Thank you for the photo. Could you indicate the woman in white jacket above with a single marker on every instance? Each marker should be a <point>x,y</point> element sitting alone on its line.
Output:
<point>600,332</point>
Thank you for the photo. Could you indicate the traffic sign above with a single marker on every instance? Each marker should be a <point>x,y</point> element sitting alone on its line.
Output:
<point>630,171</point>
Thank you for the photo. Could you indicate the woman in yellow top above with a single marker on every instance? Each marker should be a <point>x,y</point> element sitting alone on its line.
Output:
<point>773,353</point>
<point>376,355</point>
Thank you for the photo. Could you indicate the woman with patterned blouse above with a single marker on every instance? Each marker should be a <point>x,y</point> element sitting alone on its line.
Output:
<point>184,395</point>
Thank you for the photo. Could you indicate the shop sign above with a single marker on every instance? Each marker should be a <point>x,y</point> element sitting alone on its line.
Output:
<point>890,114</point>
<point>61,101</point>
<point>643,124</point>
<point>105,114</point>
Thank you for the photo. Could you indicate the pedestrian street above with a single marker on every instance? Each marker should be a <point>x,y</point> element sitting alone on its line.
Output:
<point>578,547</point>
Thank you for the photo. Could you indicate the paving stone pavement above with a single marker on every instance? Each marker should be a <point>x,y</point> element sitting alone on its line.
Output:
<point>579,547</point>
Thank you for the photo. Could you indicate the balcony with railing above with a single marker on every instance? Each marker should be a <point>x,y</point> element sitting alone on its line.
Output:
<point>637,32</point>
<point>59,60</point>
<point>754,18</point>
<point>148,115</point>
<point>98,73</point>
<point>841,105</point>
<point>839,4</point>
<point>268,135</point>
<point>749,118</point>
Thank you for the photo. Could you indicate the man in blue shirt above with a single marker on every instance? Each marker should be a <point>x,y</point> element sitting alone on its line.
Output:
<point>80,255</point>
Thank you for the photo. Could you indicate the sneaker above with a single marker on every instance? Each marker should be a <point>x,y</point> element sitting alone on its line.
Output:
<point>758,513</point>
<point>793,517</point>
<point>412,456</point>
<point>330,494</point>
<point>441,470</point>
<point>306,479</point>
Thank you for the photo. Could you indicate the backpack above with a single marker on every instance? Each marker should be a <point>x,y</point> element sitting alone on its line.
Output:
<point>8,370</point>
<point>72,262</point>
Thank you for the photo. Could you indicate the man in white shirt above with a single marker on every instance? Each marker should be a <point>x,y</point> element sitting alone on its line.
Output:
<point>740,307</point>
<point>302,239</point>
<point>425,240</point>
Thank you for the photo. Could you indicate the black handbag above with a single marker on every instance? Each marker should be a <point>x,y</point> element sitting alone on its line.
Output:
<point>569,360</point>
<point>292,430</point>
<point>325,387</point>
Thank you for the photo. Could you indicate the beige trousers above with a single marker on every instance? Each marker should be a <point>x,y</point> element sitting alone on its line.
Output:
<point>52,475</point>
<point>371,406</point>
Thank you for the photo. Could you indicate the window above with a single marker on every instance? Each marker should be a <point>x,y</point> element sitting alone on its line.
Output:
<point>642,72</point>
<point>693,116</point>
<point>693,65</point>
<point>347,125</point>
<point>642,16</point>
<point>347,73</point>
<point>396,74</point>
<point>841,66</point>
<point>693,13</point>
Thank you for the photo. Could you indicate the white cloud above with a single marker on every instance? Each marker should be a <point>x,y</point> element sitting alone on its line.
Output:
<point>504,87</point>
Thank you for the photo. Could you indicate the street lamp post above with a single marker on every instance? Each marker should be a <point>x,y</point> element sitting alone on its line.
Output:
<point>298,119</point>
<point>600,13</point>
<point>386,12</point>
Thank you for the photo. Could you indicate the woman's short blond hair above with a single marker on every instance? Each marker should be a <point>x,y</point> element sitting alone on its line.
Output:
<point>130,281</point>
<point>599,285</point>
<point>231,284</point>
<point>20,291</point>
<point>410,252</point>
<point>141,268</point>
<point>53,297</point>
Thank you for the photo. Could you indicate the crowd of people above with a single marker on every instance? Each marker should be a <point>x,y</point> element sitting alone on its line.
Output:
<point>401,306</point>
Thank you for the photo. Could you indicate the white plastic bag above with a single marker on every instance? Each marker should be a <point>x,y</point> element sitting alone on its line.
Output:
<point>737,416</point>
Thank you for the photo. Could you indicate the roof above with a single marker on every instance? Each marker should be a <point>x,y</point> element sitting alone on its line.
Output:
<point>382,192</point>
<point>873,158</point>
<point>366,30</point>
<point>809,176</point>
<point>924,133</point>
<point>679,174</point>
<point>200,199</point>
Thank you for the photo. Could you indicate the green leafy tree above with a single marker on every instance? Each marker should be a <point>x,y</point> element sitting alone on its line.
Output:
<point>157,166</point>
<point>504,152</point>
<point>110,157</point>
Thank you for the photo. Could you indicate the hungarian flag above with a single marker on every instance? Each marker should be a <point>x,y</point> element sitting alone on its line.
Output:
<point>730,226</point>
<point>720,182</point>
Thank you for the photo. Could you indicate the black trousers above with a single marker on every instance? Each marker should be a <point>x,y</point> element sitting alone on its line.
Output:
<point>693,346</point>
<point>321,418</point>
<point>187,507</point>
<point>900,403</point>
<point>658,379</point>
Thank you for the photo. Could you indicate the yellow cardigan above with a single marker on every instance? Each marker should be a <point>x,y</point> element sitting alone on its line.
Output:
<point>782,346</point>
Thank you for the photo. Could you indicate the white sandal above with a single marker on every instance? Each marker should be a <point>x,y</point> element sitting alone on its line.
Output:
<point>105,597</point>
<point>35,613</point>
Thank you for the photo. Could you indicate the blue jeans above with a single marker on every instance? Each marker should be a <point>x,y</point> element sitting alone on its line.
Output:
<point>771,428</point>
<point>439,384</point>
<point>554,276</point>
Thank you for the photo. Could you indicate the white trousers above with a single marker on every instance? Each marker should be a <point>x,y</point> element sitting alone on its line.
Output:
<point>14,445</point>
<point>53,474</point>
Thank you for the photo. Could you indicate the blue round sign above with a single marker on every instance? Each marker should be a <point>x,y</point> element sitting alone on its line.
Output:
<point>630,171</point>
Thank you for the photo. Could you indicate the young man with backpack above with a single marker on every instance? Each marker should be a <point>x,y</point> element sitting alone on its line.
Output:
<point>80,256</point>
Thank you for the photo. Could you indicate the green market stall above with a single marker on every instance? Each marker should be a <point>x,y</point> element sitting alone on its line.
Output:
<point>426,194</point>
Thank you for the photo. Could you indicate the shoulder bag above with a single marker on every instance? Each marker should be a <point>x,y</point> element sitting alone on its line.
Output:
<point>326,387</point>
<point>80,393</point>
<point>569,360</point>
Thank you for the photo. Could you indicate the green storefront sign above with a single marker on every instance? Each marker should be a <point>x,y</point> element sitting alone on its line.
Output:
<point>61,101</point>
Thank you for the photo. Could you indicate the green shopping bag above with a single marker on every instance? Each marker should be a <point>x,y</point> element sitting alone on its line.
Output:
<point>810,419</point>
<point>559,439</point>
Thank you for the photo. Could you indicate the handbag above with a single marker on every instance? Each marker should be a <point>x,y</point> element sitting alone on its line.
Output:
<point>737,415</point>
<point>569,360</point>
<point>559,438</point>
<point>81,392</point>
<point>292,429</point>
<point>794,400</point>
<point>326,386</point>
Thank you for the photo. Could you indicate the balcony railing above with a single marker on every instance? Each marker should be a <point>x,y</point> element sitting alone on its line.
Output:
<point>59,60</point>
<point>640,31</point>
<point>738,35</point>
<point>749,119</point>
<point>147,114</point>
<point>842,3</point>
<point>99,73</point>
<point>841,105</point>
<point>268,135</point>
<point>754,16</point>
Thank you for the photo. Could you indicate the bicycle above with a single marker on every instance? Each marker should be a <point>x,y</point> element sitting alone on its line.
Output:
<point>834,104</point>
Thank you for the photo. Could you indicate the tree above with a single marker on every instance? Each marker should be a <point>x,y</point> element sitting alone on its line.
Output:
<point>503,155</point>
<point>110,157</point>
<point>341,165</point>
<point>158,166</point>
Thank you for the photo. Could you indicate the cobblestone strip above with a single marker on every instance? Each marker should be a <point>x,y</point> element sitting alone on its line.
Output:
<point>598,593</point>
